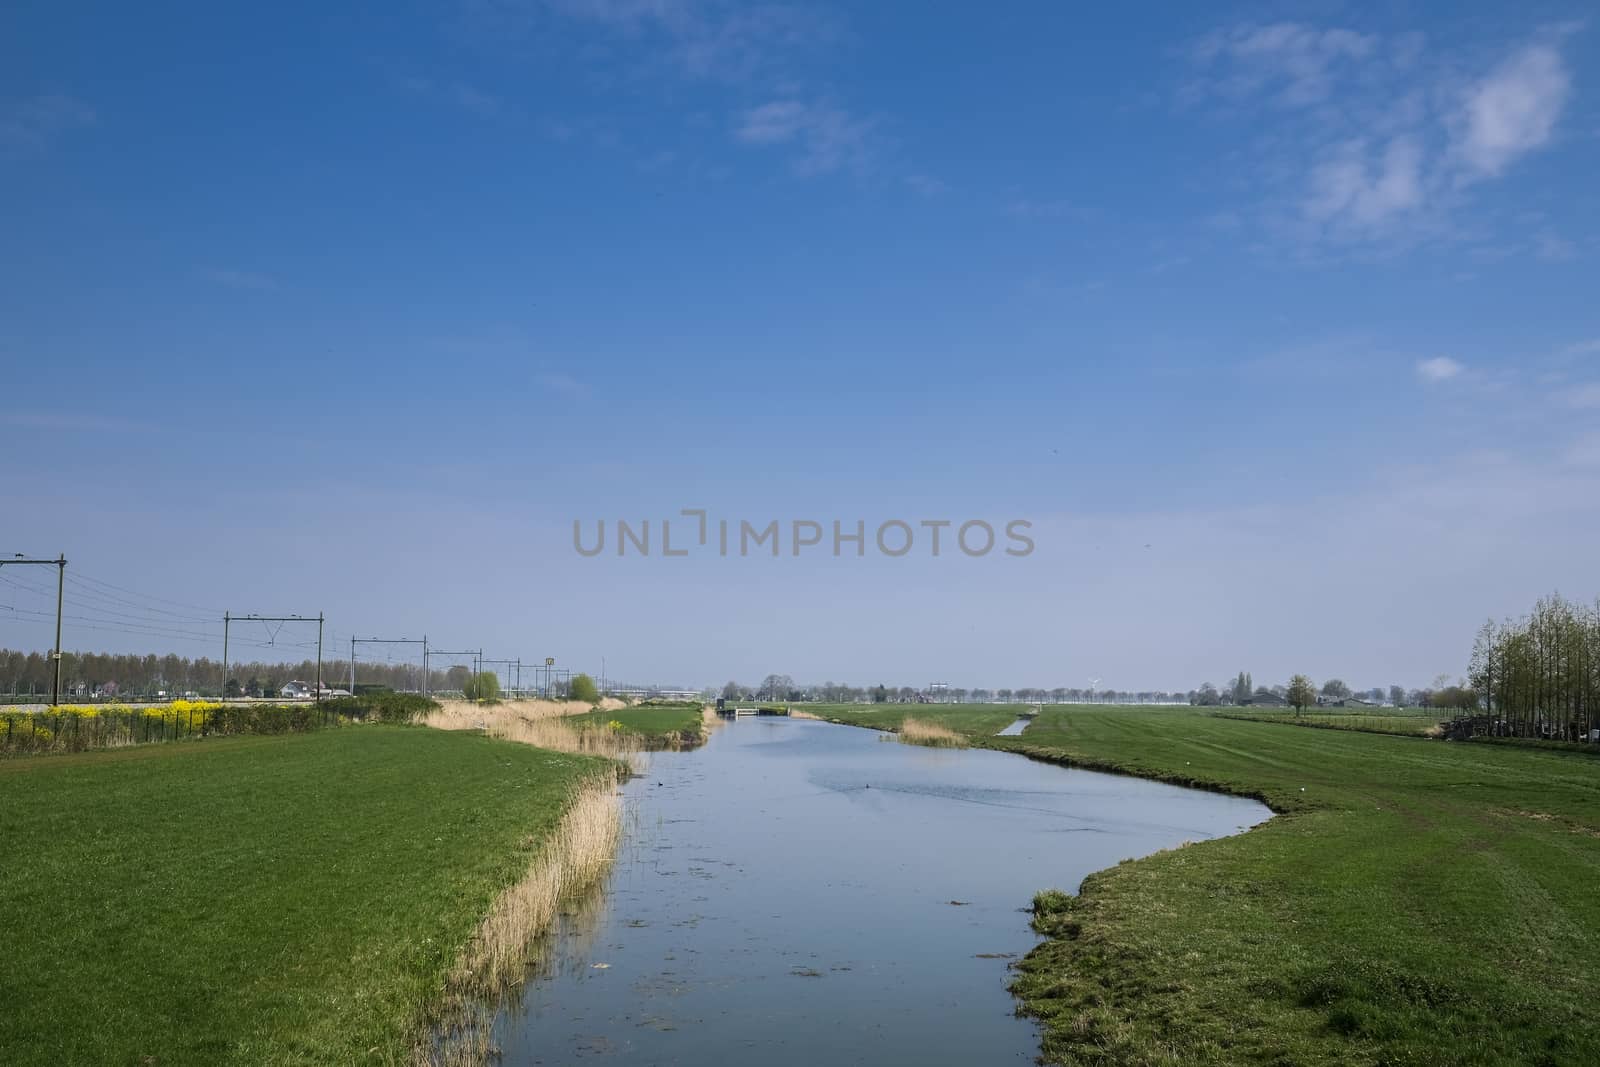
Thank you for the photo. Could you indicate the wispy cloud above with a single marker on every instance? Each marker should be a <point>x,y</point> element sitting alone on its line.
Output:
<point>468,97</point>
<point>828,137</point>
<point>244,280</point>
<point>1511,111</point>
<point>1369,139</point>
<point>1583,396</point>
<point>1584,451</point>
<point>564,384</point>
<point>70,421</point>
<point>1294,63</point>
<point>1366,185</point>
<point>1024,207</point>
<point>1438,369</point>
<point>706,40</point>
<point>35,121</point>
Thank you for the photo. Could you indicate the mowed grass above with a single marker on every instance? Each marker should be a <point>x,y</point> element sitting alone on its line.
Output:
<point>288,900</point>
<point>971,719</point>
<point>1412,722</point>
<point>655,726</point>
<point>1417,902</point>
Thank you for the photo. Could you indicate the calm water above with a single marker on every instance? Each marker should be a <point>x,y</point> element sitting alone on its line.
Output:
<point>787,896</point>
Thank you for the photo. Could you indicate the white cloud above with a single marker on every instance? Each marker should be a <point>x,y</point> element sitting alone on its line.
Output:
<point>829,138</point>
<point>1386,138</point>
<point>1296,63</point>
<point>1513,110</point>
<point>1348,188</point>
<point>1438,369</point>
<point>1582,348</point>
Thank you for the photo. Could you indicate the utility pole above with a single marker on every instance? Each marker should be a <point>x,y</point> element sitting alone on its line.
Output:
<point>60,564</point>
<point>319,657</point>
<point>227,622</point>
<point>61,581</point>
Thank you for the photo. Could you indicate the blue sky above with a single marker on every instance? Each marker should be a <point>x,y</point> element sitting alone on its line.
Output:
<point>358,311</point>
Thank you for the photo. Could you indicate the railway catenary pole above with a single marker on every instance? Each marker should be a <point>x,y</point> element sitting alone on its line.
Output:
<point>60,564</point>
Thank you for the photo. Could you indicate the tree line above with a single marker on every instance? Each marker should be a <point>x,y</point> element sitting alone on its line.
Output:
<point>1243,691</point>
<point>129,676</point>
<point>784,688</point>
<point>1539,676</point>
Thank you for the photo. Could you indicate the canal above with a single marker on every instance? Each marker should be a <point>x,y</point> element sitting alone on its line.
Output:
<point>797,892</point>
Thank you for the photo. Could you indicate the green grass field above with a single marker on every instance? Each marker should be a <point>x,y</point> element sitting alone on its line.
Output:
<point>1416,902</point>
<point>288,900</point>
<point>1412,722</point>
<point>972,719</point>
<point>656,726</point>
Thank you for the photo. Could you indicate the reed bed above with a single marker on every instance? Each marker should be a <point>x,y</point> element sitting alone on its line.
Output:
<point>497,959</point>
<point>541,723</point>
<point>930,734</point>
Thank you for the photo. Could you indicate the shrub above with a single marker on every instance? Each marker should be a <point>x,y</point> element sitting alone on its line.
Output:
<point>485,685</point>
<point>383,706</point>
<point>584,689</point>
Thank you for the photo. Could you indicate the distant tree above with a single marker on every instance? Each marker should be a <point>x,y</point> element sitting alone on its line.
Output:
<point>880,694</point>
<point>775,686</point>
<point>1302,693</point>
<point>1397,695</point>
<point>584,689</point>
<point>1459,697</point>
<point>1334,689</point>
<point>485,685</point>
<point>730,691</point>
<point>1004,696</point>
<point>1207,696</point>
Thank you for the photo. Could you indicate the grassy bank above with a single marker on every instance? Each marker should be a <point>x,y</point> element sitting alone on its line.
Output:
<point>1408,722</point>
<point>660,726</point>
<point>1417,902</point>
<point>287,899</point>
<point>971,719</point>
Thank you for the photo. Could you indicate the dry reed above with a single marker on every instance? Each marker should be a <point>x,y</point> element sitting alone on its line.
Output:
<point>496,959</point>
<point>539,723</point>
<point>931,734</point>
